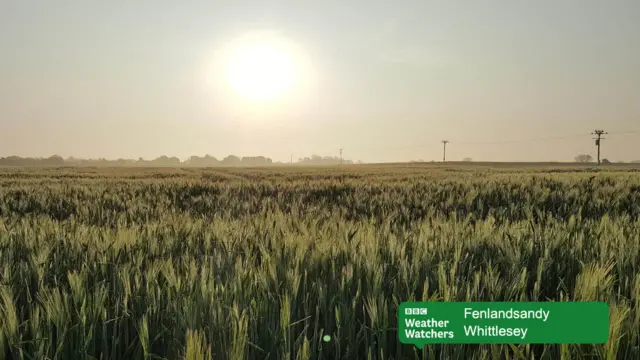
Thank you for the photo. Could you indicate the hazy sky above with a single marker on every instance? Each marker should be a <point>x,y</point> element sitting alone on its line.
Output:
<point>392,79</point>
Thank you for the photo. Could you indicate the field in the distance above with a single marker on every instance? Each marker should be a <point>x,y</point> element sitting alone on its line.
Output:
<point>136,263</point>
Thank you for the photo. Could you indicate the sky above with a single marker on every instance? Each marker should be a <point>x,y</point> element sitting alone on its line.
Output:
<point>385,81</point>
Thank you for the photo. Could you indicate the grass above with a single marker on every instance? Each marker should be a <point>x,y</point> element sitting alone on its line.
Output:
<point>262,263</point>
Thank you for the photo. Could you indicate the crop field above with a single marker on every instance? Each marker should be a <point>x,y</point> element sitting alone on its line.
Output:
<point>261,263</point>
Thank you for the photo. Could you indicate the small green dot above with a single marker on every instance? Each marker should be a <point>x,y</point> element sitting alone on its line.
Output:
<point>326,338</point>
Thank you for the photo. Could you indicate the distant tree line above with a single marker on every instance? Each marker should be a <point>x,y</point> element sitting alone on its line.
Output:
<point>231,160</point>
<point>323,160</point>
<point>586,158</point>
<point>205,161</point>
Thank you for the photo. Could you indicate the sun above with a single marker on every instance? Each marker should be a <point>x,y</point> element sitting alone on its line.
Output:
<point>260,70</point>
<point>259,74</point>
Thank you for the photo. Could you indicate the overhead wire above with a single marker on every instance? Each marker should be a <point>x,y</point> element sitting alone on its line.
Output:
<point>502,142</point>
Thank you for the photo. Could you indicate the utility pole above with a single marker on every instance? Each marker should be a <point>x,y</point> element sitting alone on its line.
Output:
<point>444,150</point>
<point>341,156</point>
<point>598,133</point>
<point>291,160</point>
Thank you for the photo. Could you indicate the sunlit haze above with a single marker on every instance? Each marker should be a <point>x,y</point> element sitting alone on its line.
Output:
<point>259,71</point>
<point>385,81</point>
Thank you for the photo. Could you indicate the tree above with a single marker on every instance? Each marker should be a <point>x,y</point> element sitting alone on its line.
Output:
<point>231,160</point>
<point>467,159</point>
<point>166,161</point>
<point>606,161</point>
<point>54,160</point>
<point>584,158</point>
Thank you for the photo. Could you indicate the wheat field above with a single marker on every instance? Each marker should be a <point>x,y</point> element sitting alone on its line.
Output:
<point>261,263</point>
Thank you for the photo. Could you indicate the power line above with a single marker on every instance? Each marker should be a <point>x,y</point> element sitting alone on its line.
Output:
<point>625,133</point>
<point>523,140</point>
<point>502,142</point>
<point>582,135</point>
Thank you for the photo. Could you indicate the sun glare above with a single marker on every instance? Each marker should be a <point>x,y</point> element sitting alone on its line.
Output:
<point>260,70</point>
<point>260,74</point>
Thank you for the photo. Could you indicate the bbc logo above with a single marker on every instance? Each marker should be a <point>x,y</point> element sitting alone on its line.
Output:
<point>415,311</point>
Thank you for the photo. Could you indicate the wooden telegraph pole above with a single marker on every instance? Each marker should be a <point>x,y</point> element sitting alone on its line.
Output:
<point>599,134</point>
<point>444,150</point>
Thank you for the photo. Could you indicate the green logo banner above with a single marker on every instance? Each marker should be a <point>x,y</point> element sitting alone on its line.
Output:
<point>422,323</point>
